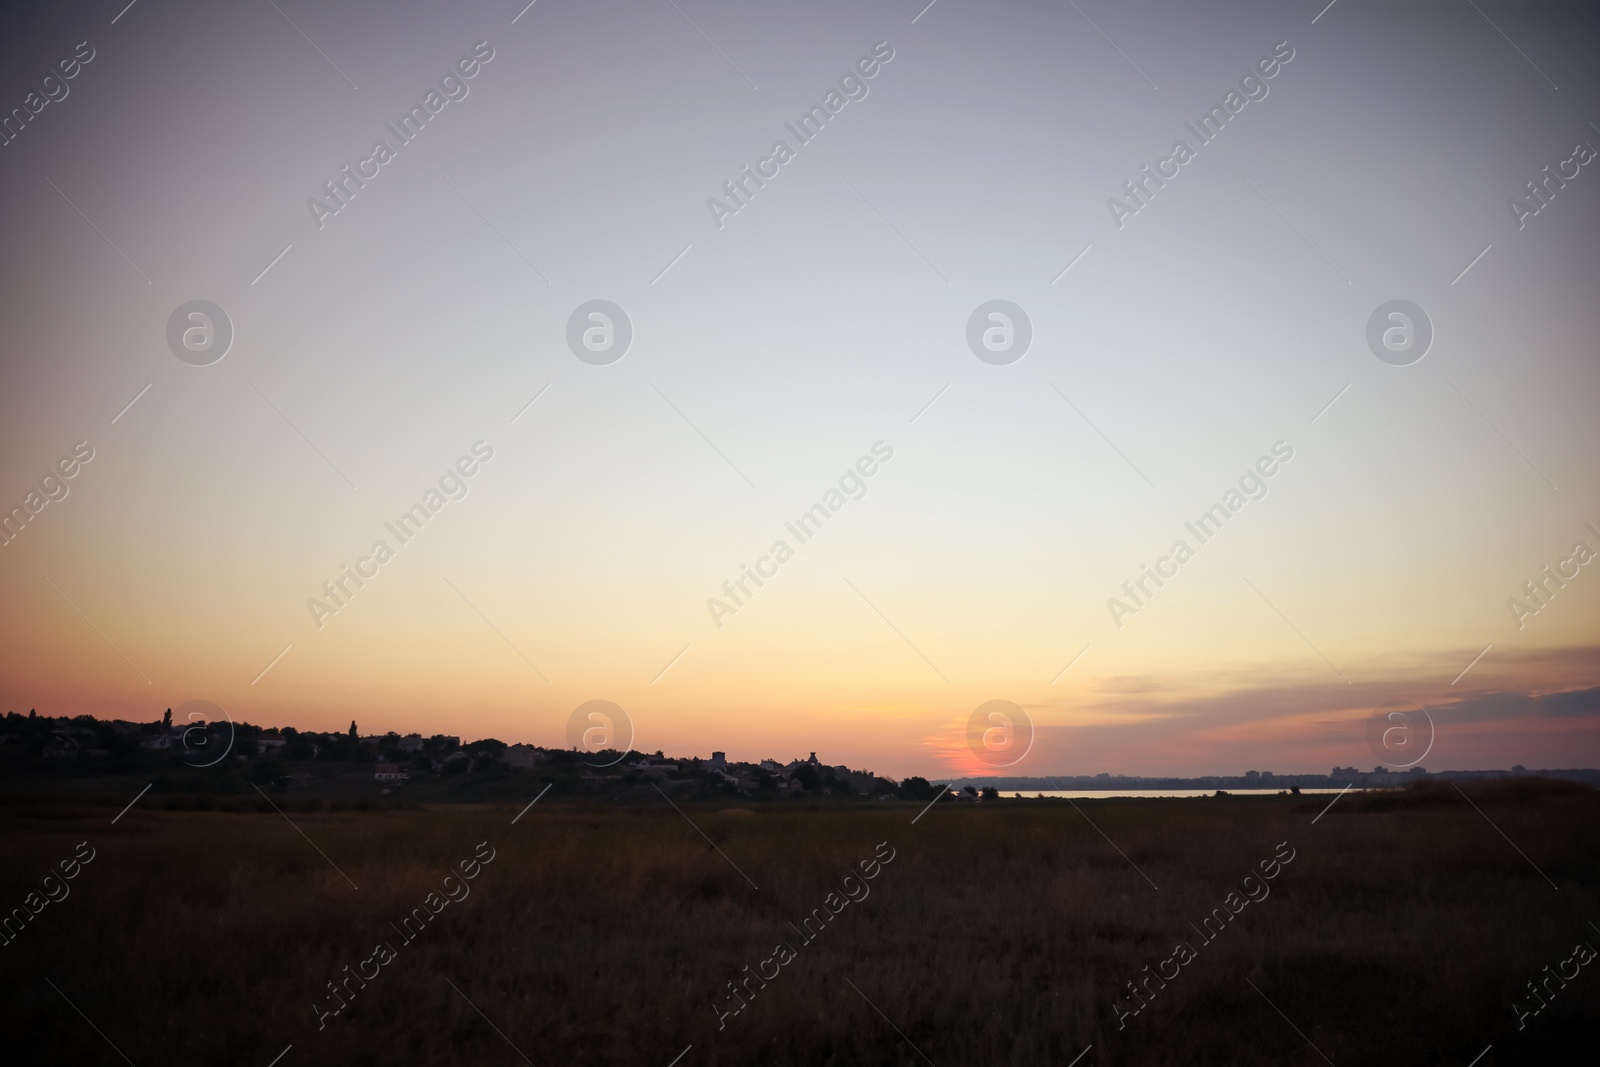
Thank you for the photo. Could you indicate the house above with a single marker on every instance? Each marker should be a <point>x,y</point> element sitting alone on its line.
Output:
<point>739,782</point>
<point>271,740</point>
<point>523,756</point>
<point>411,743</point>
<point>389,772</point>
<point>161,742</point>
<point>812,762</point>
<point>718,761</point>
<point>62,746</point>
<point>653,767</point>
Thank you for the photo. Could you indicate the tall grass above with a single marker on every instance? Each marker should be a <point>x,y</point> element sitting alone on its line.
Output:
<point>1000,934</point>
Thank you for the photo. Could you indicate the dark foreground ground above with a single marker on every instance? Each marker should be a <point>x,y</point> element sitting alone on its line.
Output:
<point>1403,930</point>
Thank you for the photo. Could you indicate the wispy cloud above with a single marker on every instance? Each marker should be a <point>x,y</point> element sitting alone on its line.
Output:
<point>1538,707</point>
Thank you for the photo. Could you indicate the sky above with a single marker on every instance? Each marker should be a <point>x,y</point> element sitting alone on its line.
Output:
<point>1177,340</point>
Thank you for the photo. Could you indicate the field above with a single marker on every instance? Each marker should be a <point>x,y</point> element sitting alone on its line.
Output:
<point>1393,929</point>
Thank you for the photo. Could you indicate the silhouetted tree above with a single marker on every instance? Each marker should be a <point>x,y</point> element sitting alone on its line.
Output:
<point>353,735</point>
<point>991,793</point>
<point>486,763</point>
<point>166,720</point>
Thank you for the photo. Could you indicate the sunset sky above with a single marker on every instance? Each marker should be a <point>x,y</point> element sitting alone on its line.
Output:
<point>775,347</point>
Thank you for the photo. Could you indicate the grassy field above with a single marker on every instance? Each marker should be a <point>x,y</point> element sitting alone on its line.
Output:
<point>1004,932</point>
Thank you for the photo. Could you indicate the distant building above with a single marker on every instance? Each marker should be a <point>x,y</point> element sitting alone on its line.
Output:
<point>523,756</point>
<point>271,739</point>
<point>718,761</point>
<point>389,772</point>
<point>743,785</point>
<point>411,743</point>
<point>654,767</point>
<point>163,741</point>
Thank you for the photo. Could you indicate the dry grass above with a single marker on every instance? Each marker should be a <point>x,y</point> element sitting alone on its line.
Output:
<point>1000,934</point>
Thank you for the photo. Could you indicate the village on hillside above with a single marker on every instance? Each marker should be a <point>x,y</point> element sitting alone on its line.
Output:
<point>223,754</point>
